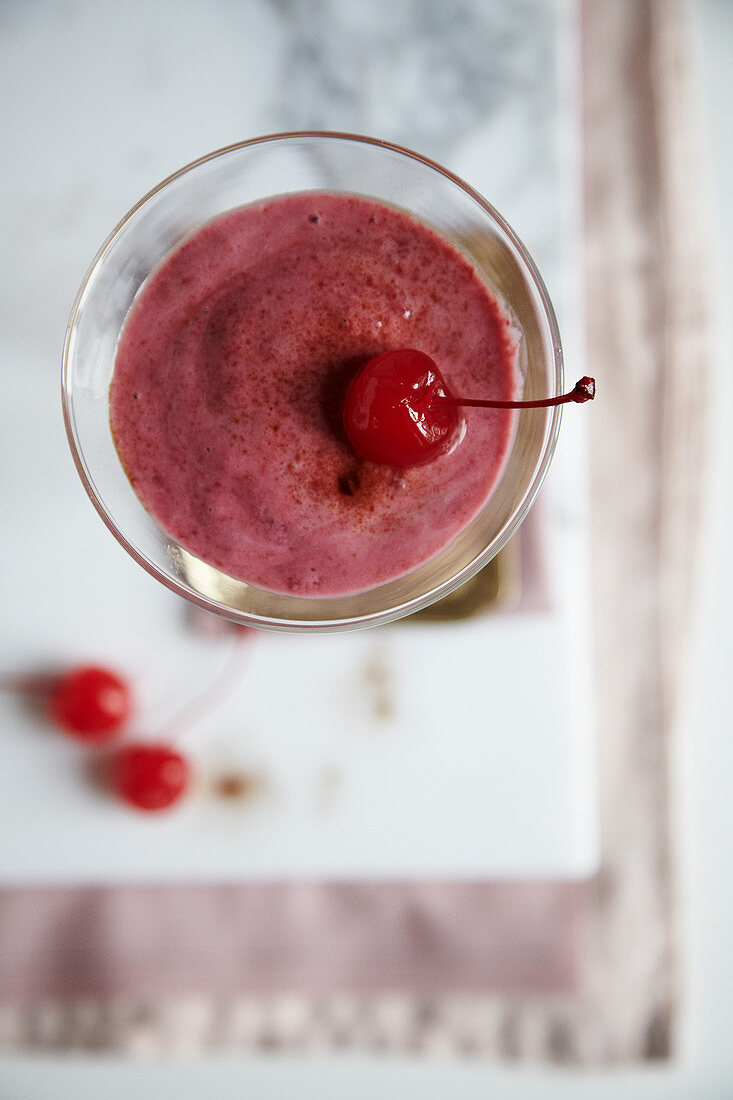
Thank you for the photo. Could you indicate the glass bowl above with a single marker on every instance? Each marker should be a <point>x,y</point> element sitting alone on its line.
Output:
<point>242,174</point>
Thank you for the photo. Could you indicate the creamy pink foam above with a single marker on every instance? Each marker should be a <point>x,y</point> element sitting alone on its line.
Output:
<point>226,398</point>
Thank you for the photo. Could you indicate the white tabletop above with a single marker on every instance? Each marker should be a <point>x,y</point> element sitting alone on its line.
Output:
<point>501,738</point>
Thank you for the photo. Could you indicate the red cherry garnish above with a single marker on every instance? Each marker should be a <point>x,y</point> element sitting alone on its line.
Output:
<point>90,703</point>
<point>398,410</point>
<point>150,777</point>
<point>392,414</point>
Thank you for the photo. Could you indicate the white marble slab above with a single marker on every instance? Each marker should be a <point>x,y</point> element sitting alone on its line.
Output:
<point>483,772</point>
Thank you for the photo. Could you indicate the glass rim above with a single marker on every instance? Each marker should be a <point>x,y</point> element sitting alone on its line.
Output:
<point>325,625</point>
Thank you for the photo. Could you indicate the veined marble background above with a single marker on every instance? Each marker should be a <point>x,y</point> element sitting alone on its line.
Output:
<point>102,100</point>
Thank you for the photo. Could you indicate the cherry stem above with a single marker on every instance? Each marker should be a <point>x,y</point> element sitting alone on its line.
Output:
<point>585,390</point>
<point>222,684</point>
<point>41,683</point>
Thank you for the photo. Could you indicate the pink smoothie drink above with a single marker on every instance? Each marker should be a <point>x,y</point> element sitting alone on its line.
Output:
<point>229,382</point>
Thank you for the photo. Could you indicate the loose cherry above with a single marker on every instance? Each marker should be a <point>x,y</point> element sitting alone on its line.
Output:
<point>399,411</point>
<point>150,777</point>
<point>90,703</point>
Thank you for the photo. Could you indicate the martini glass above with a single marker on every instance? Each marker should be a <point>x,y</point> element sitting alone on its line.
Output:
<point>245,173</point>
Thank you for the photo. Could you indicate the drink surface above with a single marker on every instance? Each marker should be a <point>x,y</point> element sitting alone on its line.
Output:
<point>228,388</point>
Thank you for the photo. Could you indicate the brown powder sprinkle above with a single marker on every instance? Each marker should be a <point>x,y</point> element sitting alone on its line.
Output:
<point>237,786</point>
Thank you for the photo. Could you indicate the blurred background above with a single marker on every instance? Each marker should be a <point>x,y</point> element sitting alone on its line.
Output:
<point>529,894</point>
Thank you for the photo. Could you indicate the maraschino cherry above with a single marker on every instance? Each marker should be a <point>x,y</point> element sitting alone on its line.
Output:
<point>90,703</point>
<point>399,411</point>
<point>150,777</point>
<point>391,412</point>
